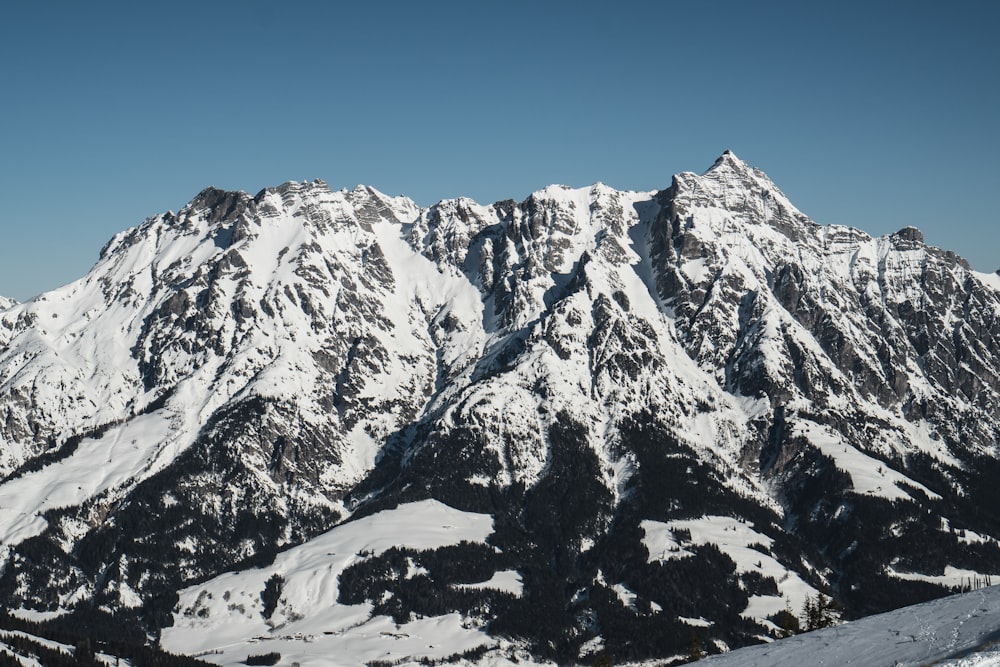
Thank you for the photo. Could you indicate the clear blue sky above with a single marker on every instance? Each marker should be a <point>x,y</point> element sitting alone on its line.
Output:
<point>872,114</point>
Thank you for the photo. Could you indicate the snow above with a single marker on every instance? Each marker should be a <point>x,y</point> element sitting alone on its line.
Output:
<point>125,454</point>
<point>957,631</point>
<point>922,436</point>
<point>81,369</point>
<point>972,537</point>
<point>34,615</point>
<point>989,279</point>
<point>660,542</point>
<point>48,643</point>
<point>626,595</point>
<point>224,614</point>
<point>953,577</point>
<point>508,581</point>
<point>66,649</point>
<point>22,660</point>
<point>868,475</point>
<point>748,549</point>
<point>988,657</point>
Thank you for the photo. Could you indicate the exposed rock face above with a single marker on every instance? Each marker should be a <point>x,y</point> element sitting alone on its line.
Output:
<point>611,375</point>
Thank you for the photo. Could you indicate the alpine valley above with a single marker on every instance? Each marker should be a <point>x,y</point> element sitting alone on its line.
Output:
<point>332,427</point>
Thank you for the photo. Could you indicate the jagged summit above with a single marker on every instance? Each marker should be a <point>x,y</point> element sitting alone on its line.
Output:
<point>732,171</point>
<point>728,158</point>
<point>615,416</point>
<point>911,234</point>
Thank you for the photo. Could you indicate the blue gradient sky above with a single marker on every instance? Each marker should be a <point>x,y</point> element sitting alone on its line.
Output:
<point>872,114</point>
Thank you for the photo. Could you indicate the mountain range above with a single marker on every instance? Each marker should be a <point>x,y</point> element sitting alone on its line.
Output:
<point>590,425</point>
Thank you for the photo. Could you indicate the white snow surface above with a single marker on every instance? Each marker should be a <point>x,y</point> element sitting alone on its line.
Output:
<point>125,454</point>
<point>223,616</point>
<point>67,650</point>
<point>953,576</point>
<point>748,549</point>
<point>869,475</point>
<point>957,631</point>
<point>991,279</point>
<point>508,581</point>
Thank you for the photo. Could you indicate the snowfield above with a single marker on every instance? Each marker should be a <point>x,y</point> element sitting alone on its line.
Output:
<point>747,548</point>
<point>223,618</point>
<point>957,631</point>
<point>122,457</point>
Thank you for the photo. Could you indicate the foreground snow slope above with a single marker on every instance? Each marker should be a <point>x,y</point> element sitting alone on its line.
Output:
<point>960,630</point>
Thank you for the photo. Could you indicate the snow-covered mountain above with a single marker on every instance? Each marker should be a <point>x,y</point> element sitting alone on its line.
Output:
<point>649,415</point>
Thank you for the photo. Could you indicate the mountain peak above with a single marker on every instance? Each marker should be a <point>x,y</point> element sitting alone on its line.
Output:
<point>729,160</point>
<point>211,196</point>
<point>911,234</point>
<point>221,203</point>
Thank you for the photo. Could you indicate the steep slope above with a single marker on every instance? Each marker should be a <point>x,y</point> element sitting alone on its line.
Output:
<point>220,376</point>
<point>680,412</point>
<point>878,357</point>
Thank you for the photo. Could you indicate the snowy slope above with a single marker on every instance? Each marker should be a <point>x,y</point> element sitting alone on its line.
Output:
<point>686,408</point>
<point>224,618</point>
<point>199,312</point>
<point>961,630</point>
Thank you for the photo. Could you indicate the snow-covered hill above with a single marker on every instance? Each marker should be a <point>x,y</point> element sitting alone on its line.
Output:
<point>669,412</point>
<point>219,618</point>
<point>957,631</point>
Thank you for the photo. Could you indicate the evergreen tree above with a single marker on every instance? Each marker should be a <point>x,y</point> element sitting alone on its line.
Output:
<point>787,621</point>
<point>820,611</point>
<point>695,649</point>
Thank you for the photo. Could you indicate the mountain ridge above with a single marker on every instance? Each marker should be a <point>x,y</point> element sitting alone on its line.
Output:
<point>620,380</point>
